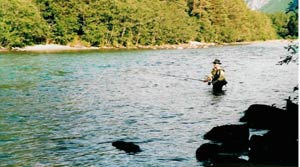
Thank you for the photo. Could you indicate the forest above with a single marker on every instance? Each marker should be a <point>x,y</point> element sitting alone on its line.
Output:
<point>132,23</point>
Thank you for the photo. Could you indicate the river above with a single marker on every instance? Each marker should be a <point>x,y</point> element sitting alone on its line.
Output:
<point>65,109</point>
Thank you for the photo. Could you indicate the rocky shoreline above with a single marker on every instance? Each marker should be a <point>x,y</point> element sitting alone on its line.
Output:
<point>277,147</point>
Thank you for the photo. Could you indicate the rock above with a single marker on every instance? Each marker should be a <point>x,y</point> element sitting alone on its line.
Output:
<point>227,133</point>
<point>128,147</point>
<point>279,146</point>
<point>291,107</point>
<point>260,116</point>
<point>234,138</point>
<point>207,151</point>
<point>272,149</point>
<point>292,116</point>
<point>223,159</point>
<point>234,147</point>
<point>212,153</point>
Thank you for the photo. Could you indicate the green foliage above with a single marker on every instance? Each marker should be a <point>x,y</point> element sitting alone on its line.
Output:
<point>229,21</point>
<point>292,56</point>
<point>62,17</point>
<point>21,24</point>
<point>292,49</point>
<point>293,7</point>
<point>117,23</point>
<point>142,23</point>
<point>130,23</point>
<point>293,26</point>
<point>280,21</point>
<point>293,20</point>
<point>286,24</point>
<point>262,27</point>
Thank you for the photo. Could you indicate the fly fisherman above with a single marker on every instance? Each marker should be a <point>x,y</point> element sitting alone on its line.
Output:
<point>217,77</point>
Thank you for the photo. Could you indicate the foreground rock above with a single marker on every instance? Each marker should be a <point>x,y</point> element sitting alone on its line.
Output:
<point>273,148</point>
<point>279,146</point>
<point>259,116</point>
<point>232,138</point>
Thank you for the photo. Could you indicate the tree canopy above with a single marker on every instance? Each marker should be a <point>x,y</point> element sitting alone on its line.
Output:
<point>286,23</point>
<point>21,23</point>
<point>129,23</point>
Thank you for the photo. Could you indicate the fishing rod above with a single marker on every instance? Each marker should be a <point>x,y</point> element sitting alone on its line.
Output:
<point>176,76</point>
<point>187,78</point>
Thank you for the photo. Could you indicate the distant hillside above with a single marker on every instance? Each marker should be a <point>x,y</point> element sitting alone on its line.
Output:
<point>276,6</point>
<point>256,4</point>
<point>268,6</point>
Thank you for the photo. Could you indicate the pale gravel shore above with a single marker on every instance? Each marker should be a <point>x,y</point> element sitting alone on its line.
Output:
<point>190,45</point>
<point>57,48</point>
<point>52,47</point>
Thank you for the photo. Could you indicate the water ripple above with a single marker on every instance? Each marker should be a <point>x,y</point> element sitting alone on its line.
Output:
<point>65,109</point>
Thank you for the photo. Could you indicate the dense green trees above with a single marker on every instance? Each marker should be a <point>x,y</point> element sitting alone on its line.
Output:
<point>129,23</point>
<point>21,23</point>
<point>230,21</point>
<point>280,21</point>
<point>142,23</point>
<point>286,23</point>
<point>63,18</point>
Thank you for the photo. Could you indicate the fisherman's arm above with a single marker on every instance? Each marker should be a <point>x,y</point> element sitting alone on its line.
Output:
<point>222,75</point>
<point>208,78</point>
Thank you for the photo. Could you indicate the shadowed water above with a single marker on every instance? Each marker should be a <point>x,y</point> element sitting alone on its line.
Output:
<point>65,109</point>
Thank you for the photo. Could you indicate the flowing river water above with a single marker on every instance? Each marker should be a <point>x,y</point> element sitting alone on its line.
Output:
<point>65,109</point>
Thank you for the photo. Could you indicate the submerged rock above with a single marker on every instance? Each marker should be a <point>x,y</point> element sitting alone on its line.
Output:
<point>128,147</point>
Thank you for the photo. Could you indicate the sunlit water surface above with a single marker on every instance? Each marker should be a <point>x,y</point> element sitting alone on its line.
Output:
<point>65,109</point>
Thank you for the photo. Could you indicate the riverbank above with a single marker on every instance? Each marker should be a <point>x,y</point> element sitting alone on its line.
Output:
<point>190,45</point>
<point>56,47</point>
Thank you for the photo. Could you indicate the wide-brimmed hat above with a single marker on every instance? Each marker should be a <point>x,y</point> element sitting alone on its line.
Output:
<point>217,61</point>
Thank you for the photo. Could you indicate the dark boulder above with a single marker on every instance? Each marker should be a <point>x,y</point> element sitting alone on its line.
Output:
<point>228,160</point>
<point>292,116</point>
<point>207,152</point>
<point>273,149</point>
<point>212,154</point>
<point>234,147</point>
<point>279,146</point>
<point>233,138</point>
<point>260,116</point>
<point>291,107</point>
<point>228,132</point>
<point>128,147</point>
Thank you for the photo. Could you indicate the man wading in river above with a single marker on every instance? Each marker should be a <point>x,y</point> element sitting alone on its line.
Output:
<point>217,77</point>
